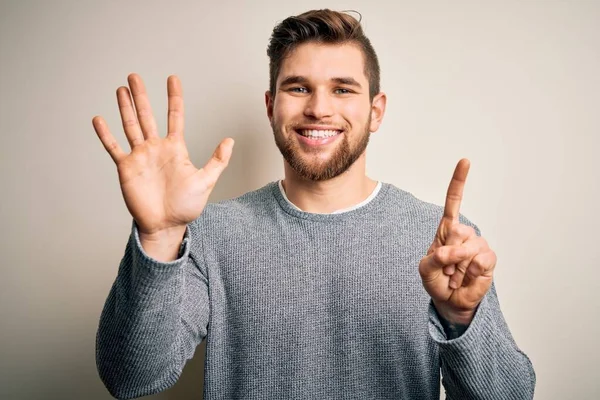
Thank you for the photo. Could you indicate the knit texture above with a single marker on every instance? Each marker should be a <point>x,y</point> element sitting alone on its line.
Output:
<point>297,305</point>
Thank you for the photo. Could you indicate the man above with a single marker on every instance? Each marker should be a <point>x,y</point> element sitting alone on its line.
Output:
<point>325,285</point>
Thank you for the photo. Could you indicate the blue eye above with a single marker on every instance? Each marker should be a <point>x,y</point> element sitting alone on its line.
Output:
<point>342,91</point>
<point>298,89</point>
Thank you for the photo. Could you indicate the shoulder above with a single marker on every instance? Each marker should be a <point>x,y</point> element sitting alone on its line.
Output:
<point>250,205</point>
<point>418,210</point>
<point>405,202</point>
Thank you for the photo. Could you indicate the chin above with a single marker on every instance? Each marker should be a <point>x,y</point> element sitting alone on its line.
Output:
<point>319,165</point>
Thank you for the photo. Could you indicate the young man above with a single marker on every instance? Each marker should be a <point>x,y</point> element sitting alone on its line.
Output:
<point>325,285</point>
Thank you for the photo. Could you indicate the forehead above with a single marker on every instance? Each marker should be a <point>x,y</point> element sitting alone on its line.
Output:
<point>317,61</point>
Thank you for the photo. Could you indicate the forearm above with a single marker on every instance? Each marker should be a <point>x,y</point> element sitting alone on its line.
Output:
<point>140,348</point>
<point>483,362</point>
<point>137,341</point>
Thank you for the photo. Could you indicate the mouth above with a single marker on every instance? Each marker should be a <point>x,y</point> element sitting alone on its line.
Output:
<point>317,137</point>
<point>318,133</point>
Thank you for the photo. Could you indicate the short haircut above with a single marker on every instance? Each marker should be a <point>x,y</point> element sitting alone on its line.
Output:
<point>325,27</point>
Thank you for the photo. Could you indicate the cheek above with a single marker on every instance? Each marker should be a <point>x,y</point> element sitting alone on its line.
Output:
<point>357,112</point>
<point>281,108</point>
<point>286,110</point>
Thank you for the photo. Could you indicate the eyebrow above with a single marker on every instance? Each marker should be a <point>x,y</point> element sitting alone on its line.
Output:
<point>346,80</point>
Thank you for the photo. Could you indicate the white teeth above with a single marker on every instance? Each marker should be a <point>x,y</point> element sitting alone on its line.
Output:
<point>318,133</point>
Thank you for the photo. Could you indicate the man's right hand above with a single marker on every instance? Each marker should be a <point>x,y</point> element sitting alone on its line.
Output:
<point>163,190</point>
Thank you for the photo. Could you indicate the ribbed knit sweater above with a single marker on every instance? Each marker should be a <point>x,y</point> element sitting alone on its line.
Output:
<point>298,305</point>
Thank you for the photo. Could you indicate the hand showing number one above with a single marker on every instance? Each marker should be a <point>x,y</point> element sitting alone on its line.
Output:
<point>458,268</point>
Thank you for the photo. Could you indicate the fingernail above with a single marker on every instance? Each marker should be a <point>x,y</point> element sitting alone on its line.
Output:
<point>453,284</point>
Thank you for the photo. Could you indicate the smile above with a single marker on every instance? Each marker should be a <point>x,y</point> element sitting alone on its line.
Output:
<point>314,133</point>
<point>317,137</point>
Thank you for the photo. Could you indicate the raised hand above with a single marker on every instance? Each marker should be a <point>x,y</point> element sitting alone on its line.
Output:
<point>458,268</point>
<point>162,189</point>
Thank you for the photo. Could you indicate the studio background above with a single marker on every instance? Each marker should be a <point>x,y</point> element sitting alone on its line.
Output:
<point>512,85</point>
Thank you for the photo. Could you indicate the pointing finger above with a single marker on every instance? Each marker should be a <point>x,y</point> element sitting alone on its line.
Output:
<point>455,190</point>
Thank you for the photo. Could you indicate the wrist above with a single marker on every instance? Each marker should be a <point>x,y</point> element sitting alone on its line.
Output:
<point>453,315</point>
<point>163,245</point>
<point>454,322</point>
<point>171,234</point>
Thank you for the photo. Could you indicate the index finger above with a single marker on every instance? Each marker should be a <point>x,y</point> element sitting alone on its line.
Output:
<point>455,190</point>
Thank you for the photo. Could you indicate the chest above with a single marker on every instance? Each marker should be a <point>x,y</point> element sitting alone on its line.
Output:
<point>342,281</point>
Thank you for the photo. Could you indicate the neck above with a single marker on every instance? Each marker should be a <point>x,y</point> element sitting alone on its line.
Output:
<point>343,191</point>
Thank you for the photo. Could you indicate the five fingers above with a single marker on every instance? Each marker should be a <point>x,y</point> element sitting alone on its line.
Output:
<point>137,118</point>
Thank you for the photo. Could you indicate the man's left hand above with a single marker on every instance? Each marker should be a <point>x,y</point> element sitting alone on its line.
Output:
<point>458,268</point>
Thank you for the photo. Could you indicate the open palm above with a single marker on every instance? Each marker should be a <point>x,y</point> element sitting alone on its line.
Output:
<point>161,187</point>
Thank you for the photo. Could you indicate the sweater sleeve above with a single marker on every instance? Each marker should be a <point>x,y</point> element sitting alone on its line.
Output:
<point>154,317</point>
<point>484,362</point>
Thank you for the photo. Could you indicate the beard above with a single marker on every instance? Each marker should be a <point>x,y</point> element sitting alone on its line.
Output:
<point>314,169</point>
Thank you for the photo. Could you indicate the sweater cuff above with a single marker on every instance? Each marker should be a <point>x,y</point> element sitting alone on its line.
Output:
<point>458,349</point>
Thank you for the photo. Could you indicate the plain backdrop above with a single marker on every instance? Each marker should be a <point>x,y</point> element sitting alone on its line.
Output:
<point>512,85</point>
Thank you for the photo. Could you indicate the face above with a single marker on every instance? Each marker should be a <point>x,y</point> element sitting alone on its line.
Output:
<point>321,115</point>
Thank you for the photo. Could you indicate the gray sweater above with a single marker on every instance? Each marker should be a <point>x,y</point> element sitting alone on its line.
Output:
<point>296,305</point>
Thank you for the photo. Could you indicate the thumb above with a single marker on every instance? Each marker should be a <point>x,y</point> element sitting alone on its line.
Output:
<point>218,162</point>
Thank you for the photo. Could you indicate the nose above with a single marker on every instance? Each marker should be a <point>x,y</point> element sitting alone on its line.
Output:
<point>319,105</point>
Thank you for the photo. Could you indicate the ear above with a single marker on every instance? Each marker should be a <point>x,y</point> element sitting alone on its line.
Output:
<point>269,103</point>
<point>377,111</point>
